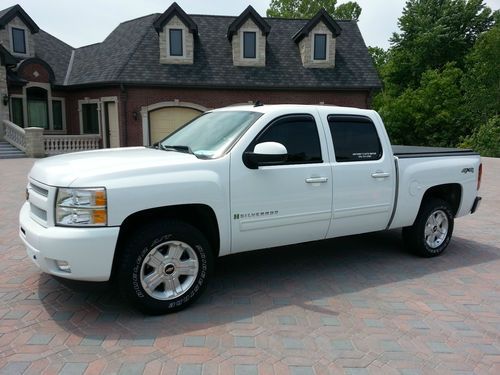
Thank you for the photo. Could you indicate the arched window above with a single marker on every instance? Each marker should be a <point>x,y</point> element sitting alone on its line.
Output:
<point>38,108</point>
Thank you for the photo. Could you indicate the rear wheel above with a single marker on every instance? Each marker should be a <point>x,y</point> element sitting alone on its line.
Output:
<point>165,266</point>
<point>430,235</point>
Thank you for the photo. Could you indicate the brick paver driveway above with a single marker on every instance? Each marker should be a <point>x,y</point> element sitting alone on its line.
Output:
<point>356,305</point>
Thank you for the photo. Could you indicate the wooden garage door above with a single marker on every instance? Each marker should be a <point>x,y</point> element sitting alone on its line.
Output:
<point>164,121</point>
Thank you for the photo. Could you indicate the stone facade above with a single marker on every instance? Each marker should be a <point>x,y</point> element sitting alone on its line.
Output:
<point>306,46</point>
<point>5,37</point>
<point>237,43</point>
<point>187,43</point>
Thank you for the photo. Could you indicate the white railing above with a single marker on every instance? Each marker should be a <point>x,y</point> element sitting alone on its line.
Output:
<point>62,144</point>
<point>15,135</point>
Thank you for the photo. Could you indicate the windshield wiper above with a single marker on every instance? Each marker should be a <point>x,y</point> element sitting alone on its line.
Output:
<point>178,148</point>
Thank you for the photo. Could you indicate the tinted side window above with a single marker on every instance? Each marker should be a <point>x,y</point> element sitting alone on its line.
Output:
<point>354,138</point>
<point>298,134</point>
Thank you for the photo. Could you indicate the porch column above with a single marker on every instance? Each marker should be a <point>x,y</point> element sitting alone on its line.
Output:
<point>35,147</point>
<point>145,126</point>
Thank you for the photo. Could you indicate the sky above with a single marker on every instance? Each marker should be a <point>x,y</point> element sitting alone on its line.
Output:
<point>80,23</point>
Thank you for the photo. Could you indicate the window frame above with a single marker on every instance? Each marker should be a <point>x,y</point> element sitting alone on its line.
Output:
<point>354,118</point>
<point>11,108</point>
<point>313,49</point>
<point>255,140</point>
<point>11,34</point>
<point>254,33</point>
<point>170,30</point>
<point>80,111</point>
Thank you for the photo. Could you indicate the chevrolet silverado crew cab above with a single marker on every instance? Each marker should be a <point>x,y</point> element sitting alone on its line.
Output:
<point>237,179</point>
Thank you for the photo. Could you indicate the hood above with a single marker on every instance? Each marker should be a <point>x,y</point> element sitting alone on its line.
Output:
<point>91,167</point>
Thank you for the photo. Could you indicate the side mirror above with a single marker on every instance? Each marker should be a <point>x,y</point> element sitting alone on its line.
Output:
<point>266,153</point>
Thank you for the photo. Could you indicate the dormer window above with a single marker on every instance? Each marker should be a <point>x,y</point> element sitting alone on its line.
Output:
<point>175,42</point>
<point>247,35</point>
<point>176,34</point>
<point>320,49</point>
<point>316,41</point>
<point>18,40</point>
<point>249,44</point>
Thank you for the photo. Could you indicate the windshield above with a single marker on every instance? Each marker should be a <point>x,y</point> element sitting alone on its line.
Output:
<point>211,134</point>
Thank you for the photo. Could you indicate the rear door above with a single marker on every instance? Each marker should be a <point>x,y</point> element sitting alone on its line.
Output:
<point>286,203</point>
<point>363,175</point>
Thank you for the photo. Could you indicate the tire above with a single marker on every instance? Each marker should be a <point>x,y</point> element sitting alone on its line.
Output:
<point>164,267</point>
<point>431,232</point>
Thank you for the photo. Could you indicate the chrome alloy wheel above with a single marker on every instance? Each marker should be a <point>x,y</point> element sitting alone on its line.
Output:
<point>169,270</point>
<point>436,229</point>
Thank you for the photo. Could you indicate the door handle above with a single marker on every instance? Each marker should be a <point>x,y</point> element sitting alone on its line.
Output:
<point>316,180</point>
<point>380,174</point>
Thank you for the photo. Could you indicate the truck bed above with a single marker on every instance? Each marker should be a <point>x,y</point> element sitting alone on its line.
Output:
<point>428,152</point>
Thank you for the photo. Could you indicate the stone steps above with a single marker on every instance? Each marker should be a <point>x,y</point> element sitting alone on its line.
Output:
<point>7,151</point>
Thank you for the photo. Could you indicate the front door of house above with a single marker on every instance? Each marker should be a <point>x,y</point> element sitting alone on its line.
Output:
<point>111,128</point>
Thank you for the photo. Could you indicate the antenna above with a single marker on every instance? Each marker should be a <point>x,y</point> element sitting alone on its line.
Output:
<point>258,103</point>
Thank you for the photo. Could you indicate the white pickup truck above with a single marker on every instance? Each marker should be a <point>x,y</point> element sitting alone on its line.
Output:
<point>232,180</point>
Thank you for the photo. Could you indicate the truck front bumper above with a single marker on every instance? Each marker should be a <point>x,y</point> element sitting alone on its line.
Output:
<point>73,253</point>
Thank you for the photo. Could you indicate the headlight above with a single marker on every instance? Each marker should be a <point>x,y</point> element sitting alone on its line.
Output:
<point>81,207</point>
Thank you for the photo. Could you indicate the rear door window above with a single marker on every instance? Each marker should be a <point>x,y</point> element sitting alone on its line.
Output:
<point>354,138</point>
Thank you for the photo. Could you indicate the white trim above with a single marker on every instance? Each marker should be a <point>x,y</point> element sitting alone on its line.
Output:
<point>242,43</point>
<point>327,47</point>
<point>80,116</point>
<point>146,141</point>
<point>26,43</point>
<point>167,41</point>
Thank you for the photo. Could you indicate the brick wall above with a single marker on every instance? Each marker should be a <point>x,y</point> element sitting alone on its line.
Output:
<point>34,72</point>
<point>132,99</point>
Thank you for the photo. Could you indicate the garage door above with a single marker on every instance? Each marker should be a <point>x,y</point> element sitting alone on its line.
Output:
<point>164,121</point>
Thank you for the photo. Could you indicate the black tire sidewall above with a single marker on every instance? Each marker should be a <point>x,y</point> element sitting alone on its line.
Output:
<point>140,247</point>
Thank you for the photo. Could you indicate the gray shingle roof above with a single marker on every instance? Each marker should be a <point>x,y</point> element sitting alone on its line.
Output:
<point>54,52</point>
<point>130,54</point>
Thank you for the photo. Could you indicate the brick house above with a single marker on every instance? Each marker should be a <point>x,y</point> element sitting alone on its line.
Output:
<point>153,73</point>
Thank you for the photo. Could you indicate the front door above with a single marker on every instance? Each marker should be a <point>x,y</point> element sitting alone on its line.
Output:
<point>111,127</point>
<point>287,203</point>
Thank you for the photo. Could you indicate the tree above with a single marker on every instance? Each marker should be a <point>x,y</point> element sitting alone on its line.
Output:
<point>379,57</point>
<point>485,139</point>
<point>433,33</point>
<point>430,114</point>
<point>481,82</point>
<point>308,8</point>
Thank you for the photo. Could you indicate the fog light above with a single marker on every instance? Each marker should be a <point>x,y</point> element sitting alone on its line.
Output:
<point>63,266</point>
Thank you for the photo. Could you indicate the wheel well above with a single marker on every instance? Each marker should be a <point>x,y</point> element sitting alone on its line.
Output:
<point>198,215</point>
<point>451,193</point>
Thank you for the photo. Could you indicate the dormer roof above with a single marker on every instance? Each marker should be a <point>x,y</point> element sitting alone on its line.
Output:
<point>322,15</point>
<point>251,13</point>
<point>8,14</point>
<point>175,10</point>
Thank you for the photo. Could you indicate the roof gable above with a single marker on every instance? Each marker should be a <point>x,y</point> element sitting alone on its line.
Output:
<point>251,13</point>
<point>322,15</point>
<point>8,14</point>
<point>175,10</point>
<point>6,58</point>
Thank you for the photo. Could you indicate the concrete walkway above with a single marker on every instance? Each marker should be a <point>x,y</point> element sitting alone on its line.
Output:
<point>355,305</point>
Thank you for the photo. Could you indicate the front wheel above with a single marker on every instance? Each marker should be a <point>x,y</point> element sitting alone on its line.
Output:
<point>430,235</point>
<point>165,266</point>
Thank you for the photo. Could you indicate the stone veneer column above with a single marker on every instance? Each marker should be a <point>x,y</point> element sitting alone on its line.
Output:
<point>4,109</point>
<point>35,147</point>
